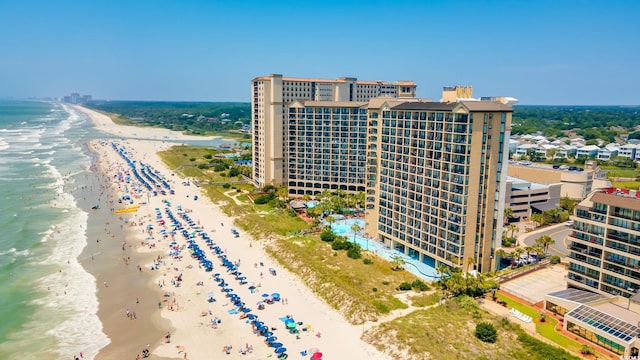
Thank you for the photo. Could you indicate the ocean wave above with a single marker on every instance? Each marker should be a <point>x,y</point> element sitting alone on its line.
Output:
<point>71,291</point>
<point>15,252</point>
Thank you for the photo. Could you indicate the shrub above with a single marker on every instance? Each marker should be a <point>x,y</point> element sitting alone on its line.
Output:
<point>328,236</point>
<point>220,167</point>
<point>338,244</point>
<point>192,159</point>
<point>418,284</point>
<point>367,261</point>
<point>486,332</point>
<point>203,166</point>
<point>555,259</point>
<point>263,199</point>
<point>354,252</point>
<point>586,349</point>
<point>226,186</point>
<point>234,172</point>
<point>385,283</point>
<point>207,156</point>
<point>508,241</point>
<point>292,213</point>
<point>404,286</point>
<point>375,289</point>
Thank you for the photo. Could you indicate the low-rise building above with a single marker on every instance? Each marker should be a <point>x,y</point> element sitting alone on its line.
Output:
<point>587,151</point>
<point>576,184</point>
<point>628,151</point>
<point>609,322</point>
<point>565,151</point>
<point>522,195</point>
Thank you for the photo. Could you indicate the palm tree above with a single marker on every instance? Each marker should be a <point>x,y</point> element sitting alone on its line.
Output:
<point>471,262</point>
<point>500,254</point>
<point>355,228</point>
<point>282,192</point>
<point>538,218</point>
<point>545,241</point>
<point>397,262</point>
<point>516,253</point>
<point>508,212</point>
<point>513,228</point>
<point>330,220</point>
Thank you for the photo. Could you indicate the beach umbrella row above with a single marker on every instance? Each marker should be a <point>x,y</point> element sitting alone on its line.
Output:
<point>199,253</point>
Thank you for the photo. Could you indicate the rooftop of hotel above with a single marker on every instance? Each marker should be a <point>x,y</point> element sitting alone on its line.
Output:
<point>577,296</point>
<point>519,183</point>
<point>608,321</point>
<point>336,81</point>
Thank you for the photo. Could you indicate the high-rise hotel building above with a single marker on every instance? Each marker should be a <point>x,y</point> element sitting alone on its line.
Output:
<point>270,99</point>
<point>436,179</point>
<point>432,171</point>
<point>605,243</point>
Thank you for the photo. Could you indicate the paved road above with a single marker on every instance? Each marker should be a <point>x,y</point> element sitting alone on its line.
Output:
<point>557,232</point>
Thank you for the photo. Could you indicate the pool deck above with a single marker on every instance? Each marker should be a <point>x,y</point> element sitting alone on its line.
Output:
<point>343,227</point>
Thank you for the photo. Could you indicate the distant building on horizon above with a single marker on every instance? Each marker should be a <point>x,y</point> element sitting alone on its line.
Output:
<point>76,99</point>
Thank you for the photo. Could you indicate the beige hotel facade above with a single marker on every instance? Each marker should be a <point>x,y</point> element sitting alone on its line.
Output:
<point>433,172</point>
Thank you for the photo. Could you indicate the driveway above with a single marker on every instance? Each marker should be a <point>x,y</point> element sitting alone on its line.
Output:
<point>558,232</point>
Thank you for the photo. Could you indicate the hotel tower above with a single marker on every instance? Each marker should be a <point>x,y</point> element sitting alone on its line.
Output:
<point>433,172</point>
<point>270,98</point>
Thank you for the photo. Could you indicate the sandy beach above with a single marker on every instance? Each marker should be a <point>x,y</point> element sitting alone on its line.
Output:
<point>149,287</point>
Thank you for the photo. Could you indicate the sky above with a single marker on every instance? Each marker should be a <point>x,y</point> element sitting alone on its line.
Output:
<point>559,52</point>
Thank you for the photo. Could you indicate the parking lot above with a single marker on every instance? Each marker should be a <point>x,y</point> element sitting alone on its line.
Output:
<point>535,285</point>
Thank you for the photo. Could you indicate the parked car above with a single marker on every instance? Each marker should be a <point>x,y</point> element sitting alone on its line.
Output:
<point>569,223</point>
<point>556,166</point>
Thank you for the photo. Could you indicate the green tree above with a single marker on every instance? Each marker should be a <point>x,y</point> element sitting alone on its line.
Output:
<point>508,213</point>
<point>356,229</point>
<point>538,219</point>
<point>471,262</point>
<point>486,332</point>
<point>513,228</point>
<point>544,242</point>
<point>398,263</point>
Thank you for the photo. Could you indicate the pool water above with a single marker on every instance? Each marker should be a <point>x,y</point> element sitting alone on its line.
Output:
<point>343,226</point>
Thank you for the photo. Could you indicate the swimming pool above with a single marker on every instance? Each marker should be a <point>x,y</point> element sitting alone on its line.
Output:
<point>343,227</point>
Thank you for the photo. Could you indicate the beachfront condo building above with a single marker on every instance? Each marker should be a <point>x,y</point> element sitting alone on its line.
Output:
<point>326,147</point>
<point>271,96</point>
<point>436,177</point>
<point>605,243</point>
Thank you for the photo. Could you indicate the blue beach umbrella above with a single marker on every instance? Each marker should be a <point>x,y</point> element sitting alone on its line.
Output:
<point>280,350</point>
<point>272,339</point>
<point>276,345</point>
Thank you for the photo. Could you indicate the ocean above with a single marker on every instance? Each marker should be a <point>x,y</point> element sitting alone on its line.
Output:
<point>48,302</point>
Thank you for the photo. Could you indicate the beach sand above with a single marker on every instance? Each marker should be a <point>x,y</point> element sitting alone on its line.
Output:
<point>185,311</point>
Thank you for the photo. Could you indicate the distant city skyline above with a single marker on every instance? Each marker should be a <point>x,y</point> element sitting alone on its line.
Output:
<point>543,52</point>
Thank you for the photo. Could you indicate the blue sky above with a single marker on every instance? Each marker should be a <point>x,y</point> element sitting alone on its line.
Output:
<point>541,52</point>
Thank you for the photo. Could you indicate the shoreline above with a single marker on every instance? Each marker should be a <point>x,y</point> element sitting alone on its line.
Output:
<point>186,285</point>
<point>105,124</point>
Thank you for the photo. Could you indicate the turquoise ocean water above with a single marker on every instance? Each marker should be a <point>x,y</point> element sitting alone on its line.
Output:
<point>48,304</point>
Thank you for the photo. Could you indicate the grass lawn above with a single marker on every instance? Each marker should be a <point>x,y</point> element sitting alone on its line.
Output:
<point>546,329</point>
<point>633,185</point>
<point>426,299</point>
